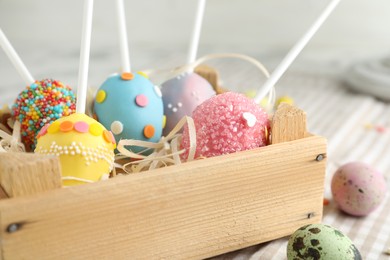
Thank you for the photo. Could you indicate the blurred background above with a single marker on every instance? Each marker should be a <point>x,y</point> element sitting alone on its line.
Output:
<point>46,34</point>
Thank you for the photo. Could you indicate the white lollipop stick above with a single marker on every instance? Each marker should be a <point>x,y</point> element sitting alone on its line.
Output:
<point>123,43</point>
<point>295,50</point>
<point>196,32</point>
<point>15,59</point>
<point>84,57</point>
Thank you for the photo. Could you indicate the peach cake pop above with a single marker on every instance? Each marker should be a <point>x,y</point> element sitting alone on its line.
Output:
<point>131,106</point>
<point>181,95</point>
<point>227,123</point>
<point>40,103</point>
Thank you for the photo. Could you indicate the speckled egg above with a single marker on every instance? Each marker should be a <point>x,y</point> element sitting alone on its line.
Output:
<point>319,241</point>
<point>131,107</point>
<point>227,123</point>
<point>358,188</point>
<point>181,95</point>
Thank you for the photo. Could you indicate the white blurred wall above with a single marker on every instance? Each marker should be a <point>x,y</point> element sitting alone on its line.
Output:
<point>254,24</point>
<point>51,28</point>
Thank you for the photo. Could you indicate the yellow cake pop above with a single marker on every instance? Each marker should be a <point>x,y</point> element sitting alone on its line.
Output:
<point>84,146</point>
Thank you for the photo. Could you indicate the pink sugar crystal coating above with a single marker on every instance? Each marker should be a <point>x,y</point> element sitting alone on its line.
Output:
<point>227,123</point>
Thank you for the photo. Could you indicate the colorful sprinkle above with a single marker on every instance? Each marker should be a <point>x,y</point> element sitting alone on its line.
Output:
<point>43,131</point>
<point>284,99</point>
<point>149,131</point>
<point>164,121</point>
<point>39,104</point>
<point>66,126</point>
<point>368,126</point>
<point>141,100</point>
<point>127,76</point>
<point>108,136</point>
<point>116,127</point>
<point>81,127</point>
<point>112,137</point>
<point>143,74</point>
<point>96,129</point>
<point>380,129</point>
<point>101,96</point>
<point>54,127</point>
<point>326,202</point>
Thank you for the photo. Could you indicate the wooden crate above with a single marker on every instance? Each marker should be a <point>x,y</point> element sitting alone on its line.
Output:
<point>195,210</point>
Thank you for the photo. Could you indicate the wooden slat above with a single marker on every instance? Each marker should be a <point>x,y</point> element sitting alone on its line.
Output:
<point>288,123</point>
<point>211,75</point>
<point>190,211</point>
<point>24,174</point>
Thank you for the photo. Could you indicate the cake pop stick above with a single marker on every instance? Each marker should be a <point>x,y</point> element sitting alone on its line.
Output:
<point>84,57</point>
<point>15,59</point>
<point>183,93</point>
<point>84,146</point>
<point>40,103</point>
<point>192,53</point>
<point>129,104</point>
<point>295,50</point>
<point>122,32</point>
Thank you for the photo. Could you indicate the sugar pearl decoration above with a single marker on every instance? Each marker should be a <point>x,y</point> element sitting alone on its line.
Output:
<point>85,148</point>
<point>227,123</point>
<point>117,127</point>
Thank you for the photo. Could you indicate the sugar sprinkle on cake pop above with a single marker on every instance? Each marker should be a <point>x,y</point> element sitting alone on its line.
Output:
<point>227,123</point>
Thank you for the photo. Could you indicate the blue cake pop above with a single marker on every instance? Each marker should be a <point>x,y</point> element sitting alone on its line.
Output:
<point>130,105</point>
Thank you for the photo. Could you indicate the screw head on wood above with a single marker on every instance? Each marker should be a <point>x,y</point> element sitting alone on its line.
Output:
<point>12,228</point>
<point>320,157</point>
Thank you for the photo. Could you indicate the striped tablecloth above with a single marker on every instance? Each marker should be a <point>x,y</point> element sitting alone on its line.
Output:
<point>358,129</point>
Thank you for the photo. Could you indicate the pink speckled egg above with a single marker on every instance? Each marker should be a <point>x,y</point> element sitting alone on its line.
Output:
<point>358,188</point>
<point>227,123</point>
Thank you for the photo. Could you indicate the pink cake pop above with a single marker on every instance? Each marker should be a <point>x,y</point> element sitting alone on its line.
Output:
<point>227,123</point>
<point>231,122</point>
